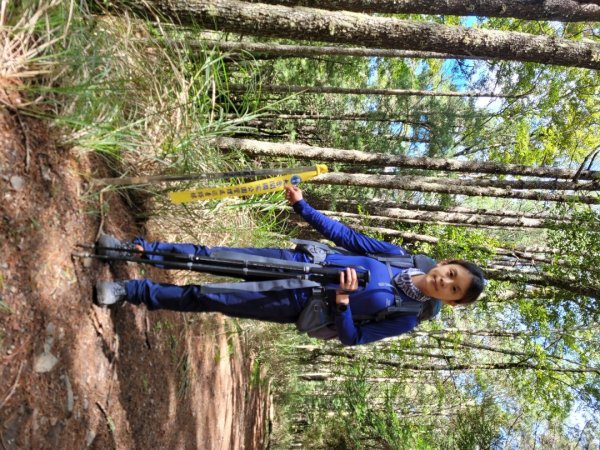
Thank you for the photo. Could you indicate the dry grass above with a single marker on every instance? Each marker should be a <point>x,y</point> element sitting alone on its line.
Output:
<point>113,85</point>
<point>27,39</point>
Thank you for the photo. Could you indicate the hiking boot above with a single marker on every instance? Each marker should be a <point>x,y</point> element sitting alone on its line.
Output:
<point>110,292</point>
<point>107,240</point>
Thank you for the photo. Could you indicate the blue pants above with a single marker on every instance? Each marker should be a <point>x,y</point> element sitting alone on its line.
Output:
<point>273,306</point>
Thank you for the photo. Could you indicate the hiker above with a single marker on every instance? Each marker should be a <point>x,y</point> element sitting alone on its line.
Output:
<point>451,282</point>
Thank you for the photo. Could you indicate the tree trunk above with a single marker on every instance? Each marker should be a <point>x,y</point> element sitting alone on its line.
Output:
<point>472,149</point>
<point>559,10</point>
<point>520,365</point>
<point>289,89</point>
<point>268,130</point>
<point>588,330</point>
<point>445,186</point>
<point>454,344</point>
<point>372,31</point>
<point>516,276</point>
<point>504,351</point>
<point>307,51</point>
<point>412,115</point>
<point>366,117</point>
<point>397,137</point>
<point>481,182</point>
<point>326,154</point>
<point>446,218</point>
<point>328,377</point>
<point>408,236</point>
<point>353,205</point>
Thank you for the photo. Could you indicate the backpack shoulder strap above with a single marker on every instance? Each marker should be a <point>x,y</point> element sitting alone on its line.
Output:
<point>423,310</point>
<point>317,250</point>
<point>403,261</point>
<point>424,263</point>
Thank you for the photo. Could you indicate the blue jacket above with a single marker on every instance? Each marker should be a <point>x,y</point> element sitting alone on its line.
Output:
<point>377,295</point>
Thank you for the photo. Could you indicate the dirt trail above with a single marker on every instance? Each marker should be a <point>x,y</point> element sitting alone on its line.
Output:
<point>77,376</point>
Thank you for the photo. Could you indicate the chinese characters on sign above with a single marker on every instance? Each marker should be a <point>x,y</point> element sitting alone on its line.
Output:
<point>246,189</point>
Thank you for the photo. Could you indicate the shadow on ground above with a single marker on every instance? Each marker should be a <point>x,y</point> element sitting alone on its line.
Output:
<point>77,376</point>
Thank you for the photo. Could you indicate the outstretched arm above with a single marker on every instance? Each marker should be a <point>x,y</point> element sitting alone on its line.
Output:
<point>337,232</point>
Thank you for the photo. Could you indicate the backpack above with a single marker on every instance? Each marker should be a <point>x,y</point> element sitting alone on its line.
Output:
<point>423,310</point>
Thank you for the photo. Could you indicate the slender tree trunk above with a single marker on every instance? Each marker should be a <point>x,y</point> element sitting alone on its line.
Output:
<point>472,150</point>
<point>559,10</point>
<point>351,205</point>
<point>552,185</point>
<point>516,276</point>
<point>492,183</point>
<point>290,89</point>
<point>366,117</point>
<point>268,130</point>
<point>150,179</point>
<point>403,135</point>
<point>484,366</point>
<point>372,31</point>
<point>442,186</point>
<point>329,377</point>
<point>307,51</point>
<point>446,218</point>
<point>397,137</point>
<point>504,260</point>
<point>520,365</point>
<point>589,330</point>
<point>327,154</point>
<point>536,249</point>
<point>503,351</point>
<point>411,115</point>
<point>265,124</point>
<point>378,220</point>
<point>407,236</point>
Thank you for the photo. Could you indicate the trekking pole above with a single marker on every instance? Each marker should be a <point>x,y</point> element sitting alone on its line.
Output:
<point>126,181</point>
<point>232,267</point>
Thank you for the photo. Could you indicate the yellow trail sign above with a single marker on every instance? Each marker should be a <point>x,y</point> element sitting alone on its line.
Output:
<point>258,187</point>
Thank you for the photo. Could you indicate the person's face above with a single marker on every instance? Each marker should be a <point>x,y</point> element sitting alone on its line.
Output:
<point>447,282</point>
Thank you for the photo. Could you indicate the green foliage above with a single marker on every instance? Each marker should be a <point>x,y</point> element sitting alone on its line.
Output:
<point>463,243</point>
<point>522,143</point>
<point>578,257</point>
<point>475,428</point>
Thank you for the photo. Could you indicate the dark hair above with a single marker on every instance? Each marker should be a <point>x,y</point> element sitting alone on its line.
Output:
<point>477,283</point>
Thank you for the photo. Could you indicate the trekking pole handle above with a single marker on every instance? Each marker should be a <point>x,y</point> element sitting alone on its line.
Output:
<point>333,274</point>
<point>363,277</point>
